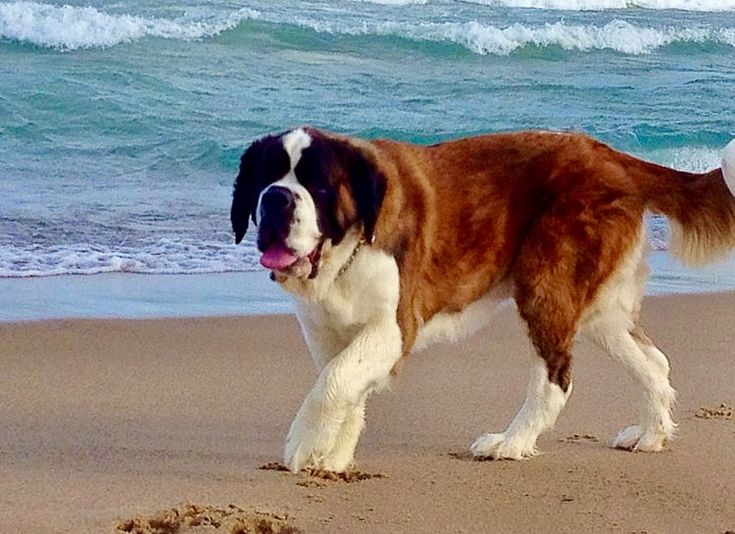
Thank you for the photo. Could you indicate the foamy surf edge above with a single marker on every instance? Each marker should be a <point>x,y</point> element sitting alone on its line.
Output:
<point>161,257</point>
<point>69,28</point>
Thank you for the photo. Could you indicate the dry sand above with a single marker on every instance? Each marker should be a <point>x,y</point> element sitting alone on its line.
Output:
<point>163,425</point>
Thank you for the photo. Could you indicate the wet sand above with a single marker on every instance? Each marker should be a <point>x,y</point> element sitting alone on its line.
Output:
<point>113,423</point>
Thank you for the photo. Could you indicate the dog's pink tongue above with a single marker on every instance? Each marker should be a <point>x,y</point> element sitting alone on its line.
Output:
<point>277,258</point>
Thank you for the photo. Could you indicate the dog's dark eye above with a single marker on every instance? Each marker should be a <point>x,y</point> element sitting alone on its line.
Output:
<point>321,192</point>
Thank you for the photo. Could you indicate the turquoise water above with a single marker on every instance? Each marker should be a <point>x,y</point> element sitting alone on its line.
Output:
<point>121,123</point>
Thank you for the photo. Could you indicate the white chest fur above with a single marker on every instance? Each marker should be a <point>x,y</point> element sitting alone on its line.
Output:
<point>333,314</point>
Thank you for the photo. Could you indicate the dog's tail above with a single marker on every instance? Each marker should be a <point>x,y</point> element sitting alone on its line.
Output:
<point>700,207</point>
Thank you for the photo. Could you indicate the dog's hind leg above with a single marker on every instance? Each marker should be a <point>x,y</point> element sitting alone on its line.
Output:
<point>545,399</point>
<point>613,325</point>
<point>649,367</point>
<point>565,260</point>
<point>545,301</point>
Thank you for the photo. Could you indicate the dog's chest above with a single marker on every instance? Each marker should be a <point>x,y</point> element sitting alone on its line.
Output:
<point>368,291</point>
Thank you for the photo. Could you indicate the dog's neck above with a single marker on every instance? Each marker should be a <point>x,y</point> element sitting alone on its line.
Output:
<point>351,259</point>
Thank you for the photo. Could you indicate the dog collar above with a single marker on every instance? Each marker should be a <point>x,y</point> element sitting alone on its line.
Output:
<point>351,258</point>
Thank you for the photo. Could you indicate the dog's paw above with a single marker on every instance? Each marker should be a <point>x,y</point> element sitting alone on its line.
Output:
<point>307,448</point>
<point>341,456</point>
<point>502,447</point>
<point>311,440</point>
<point>633,438</point>
<point>312,450</point>
<point>338,463</point>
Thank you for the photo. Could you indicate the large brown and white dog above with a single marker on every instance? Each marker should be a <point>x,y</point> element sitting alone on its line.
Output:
<point>387,246</point>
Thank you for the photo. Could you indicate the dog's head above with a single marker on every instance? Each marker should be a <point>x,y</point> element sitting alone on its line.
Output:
<point>304,189</point>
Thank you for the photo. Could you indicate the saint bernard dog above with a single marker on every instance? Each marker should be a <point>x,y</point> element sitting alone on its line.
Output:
<point>388,246</point>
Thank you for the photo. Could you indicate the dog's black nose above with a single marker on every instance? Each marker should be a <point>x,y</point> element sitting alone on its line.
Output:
<point>276,214</point>
<point>276,201</point>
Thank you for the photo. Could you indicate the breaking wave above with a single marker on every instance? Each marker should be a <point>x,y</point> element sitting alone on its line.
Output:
<point>600,5</point>
<point>617,35</point>
<point>71,28</point>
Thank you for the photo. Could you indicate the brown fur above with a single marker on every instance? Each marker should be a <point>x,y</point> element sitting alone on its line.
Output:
<point>554,213</point>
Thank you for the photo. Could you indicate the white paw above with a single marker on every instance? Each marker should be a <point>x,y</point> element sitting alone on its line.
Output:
<point>338,462</point>
<point>341,456</point>
<point>311,439</point>
<point>633,438</point>
<point>500,446</point>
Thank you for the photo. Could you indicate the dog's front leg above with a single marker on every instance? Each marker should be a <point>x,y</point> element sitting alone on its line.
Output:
<point>326,428</point>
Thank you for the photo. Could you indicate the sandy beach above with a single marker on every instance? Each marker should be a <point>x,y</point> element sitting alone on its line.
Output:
<point>106,424</point>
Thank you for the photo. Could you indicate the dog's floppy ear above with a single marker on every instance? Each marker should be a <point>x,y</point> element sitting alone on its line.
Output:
<point>250,181</point>
<point>368,189</point>
<point>244,193</point>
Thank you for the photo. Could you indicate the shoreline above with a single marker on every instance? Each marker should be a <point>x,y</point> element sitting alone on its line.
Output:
<point>147,296</point>
<point>140,296</point>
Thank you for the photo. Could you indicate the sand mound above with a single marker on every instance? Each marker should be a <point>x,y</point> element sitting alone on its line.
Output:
<point>348,476</point>
<point>579,438</point>
<point>204,519</point>
<point>723,411</point>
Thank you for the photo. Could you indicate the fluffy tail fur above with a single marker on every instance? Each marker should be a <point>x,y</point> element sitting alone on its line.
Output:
<point>700,208</point>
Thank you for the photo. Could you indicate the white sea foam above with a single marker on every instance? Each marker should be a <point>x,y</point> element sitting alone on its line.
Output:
<point>161,257</point>
<point>617,35</point>
<point>599,5</point>
<point>396,2</point>
<point>69,28</point>
<point>690,158</point>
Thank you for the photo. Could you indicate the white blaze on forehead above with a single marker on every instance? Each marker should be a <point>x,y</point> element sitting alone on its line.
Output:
<point>295,142</point>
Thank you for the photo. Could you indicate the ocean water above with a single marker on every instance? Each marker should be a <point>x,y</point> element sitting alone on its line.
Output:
<point>122,122</point>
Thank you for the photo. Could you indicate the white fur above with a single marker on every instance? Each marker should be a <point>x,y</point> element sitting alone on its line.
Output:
<point>544,401</point>
<point>303,236</point>
<point>728,166</point>
<point>295,142</point>
<point>610,323</point>
<point>350,327</point>
<point>624,288</point>
<point>451,326</point>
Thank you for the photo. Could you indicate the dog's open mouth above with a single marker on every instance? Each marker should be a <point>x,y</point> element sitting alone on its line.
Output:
<point>284,262</point>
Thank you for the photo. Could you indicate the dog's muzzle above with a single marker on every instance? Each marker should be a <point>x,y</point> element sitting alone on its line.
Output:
<point>276,215</point>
